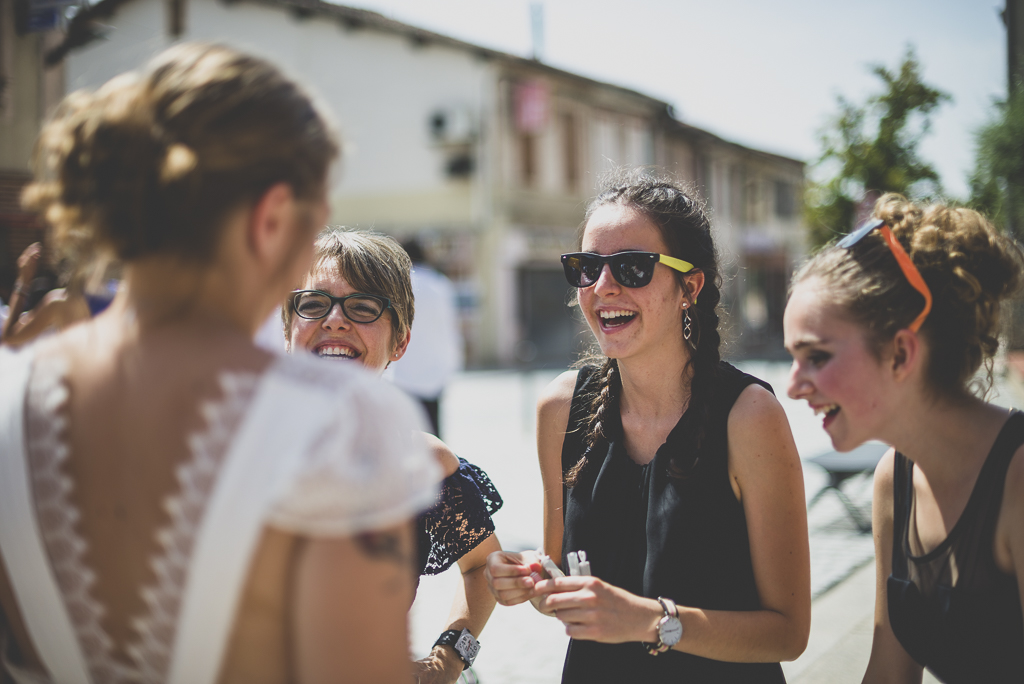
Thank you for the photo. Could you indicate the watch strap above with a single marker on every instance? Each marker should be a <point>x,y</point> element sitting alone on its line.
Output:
<point>668,606</point>
<point>463,643</point>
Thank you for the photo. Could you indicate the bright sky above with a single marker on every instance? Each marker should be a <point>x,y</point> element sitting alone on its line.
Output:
<point>761,73</point>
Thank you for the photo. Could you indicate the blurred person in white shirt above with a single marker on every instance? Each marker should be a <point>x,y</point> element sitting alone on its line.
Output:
<point>435,350</point>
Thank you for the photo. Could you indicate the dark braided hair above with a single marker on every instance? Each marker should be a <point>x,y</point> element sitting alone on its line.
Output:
<point>686,230</point>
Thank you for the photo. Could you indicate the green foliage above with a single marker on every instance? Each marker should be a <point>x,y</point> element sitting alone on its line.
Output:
<point>997,183</point>
<point>872,149</point>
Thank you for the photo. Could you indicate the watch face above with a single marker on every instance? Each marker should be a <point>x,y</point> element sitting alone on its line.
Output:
<point>670,630</point>
<point>468,647</point>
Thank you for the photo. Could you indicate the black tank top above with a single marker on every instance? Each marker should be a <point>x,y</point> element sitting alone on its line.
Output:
<point>658,535</point>
<point>953,610</point>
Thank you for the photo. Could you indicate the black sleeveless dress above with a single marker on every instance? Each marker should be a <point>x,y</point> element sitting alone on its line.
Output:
<point>654,534</point>
<point>952,609</point>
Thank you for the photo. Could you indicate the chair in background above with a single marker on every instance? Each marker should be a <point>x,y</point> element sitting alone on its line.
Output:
<point>840,467</point>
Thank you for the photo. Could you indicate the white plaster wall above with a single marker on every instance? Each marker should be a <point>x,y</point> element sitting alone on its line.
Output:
<point>380,88</point>
<point>639,143</point>
<point>21,108</point>
<point>603,144</point>
<point>138,33</point>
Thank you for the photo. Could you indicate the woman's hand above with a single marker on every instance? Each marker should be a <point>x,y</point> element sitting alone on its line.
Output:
<point>594,610</point>
<point>28,262</point>
<point>442,666</point>
<point>511,576</point>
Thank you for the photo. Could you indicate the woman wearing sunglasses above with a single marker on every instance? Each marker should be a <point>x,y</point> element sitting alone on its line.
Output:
<point>673,471</point>
<point>177,505</point>
<point>356,304</point>
<point>887,329</point>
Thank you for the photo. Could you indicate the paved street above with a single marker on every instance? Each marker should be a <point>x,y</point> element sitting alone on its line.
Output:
<point>489,419</point>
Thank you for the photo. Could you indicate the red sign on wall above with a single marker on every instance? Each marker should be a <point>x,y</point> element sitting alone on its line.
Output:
<point>531,106</point>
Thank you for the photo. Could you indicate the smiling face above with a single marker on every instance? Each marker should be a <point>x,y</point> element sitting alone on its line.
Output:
<point>631,321</point>
<point>336,337</point>
<point>834,369</point>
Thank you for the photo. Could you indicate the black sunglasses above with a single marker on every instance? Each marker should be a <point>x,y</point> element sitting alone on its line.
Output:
<point>630,269</point>
<point>358,307</point>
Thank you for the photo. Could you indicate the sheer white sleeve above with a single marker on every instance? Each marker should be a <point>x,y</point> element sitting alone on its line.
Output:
<point>368,468</point>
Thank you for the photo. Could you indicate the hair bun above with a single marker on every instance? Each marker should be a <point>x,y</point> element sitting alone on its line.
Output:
<point>118,167</point>
<point>970,267</point>
<point>178,162</point>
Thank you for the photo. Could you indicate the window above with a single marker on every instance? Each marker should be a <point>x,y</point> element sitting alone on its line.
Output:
<point>527,159</point>
<point>785,199</point>
<point>570,152</point>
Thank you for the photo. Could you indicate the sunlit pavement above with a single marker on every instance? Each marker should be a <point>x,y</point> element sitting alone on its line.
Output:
<point>488,418</point>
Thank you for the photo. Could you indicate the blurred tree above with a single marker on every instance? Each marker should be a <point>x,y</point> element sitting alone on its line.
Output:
<point>871,149</point>
<point>997,188</point>
<point>997,182</point>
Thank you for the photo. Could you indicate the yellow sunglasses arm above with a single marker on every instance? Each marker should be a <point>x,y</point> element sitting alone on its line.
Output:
<point>677,264</point>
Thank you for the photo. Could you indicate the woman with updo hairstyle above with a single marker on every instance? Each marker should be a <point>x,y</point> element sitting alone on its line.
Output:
<point>888,329</point>
<point>670,472</point>
<point>177,505</point>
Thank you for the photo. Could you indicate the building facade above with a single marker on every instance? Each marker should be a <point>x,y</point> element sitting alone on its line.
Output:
<point>28,91</point>
<point>489,158</point>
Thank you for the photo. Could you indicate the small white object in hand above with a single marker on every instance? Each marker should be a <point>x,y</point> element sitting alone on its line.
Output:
<point>577,560</point>
<point>584,563</point>
<point>549,565</point>
<point>574,564</point>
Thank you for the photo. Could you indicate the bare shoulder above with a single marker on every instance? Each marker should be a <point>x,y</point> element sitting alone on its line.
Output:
<point>884,478</point>
<point>1013,502</point>
<point>444,456</point>
<point>882,506</point>
<point>553,410</point>
<point>556,399</point>
<point>762,453</point>
<point>755,413</point>
<point>1014,488</point>
<point>54,296</point>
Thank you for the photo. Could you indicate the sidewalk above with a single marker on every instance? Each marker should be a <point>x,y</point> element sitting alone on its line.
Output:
<point>842,620</point>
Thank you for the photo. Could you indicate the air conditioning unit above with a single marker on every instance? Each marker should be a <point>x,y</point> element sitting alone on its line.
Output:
<point>452,126</point>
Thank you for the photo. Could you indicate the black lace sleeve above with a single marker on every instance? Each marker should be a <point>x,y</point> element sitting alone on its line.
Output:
<point>458,521</point>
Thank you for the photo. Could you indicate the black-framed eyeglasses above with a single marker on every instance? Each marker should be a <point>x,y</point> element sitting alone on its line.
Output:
<point>358,308</point>
<point>630,269</point>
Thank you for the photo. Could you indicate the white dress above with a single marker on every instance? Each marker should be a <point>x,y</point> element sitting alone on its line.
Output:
<point>306,446</point>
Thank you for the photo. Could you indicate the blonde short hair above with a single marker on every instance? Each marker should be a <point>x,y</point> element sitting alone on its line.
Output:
<point>370,263</point>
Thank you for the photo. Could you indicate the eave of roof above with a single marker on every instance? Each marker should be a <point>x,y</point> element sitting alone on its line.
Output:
<point>700,133</point>
<point>84,28</point>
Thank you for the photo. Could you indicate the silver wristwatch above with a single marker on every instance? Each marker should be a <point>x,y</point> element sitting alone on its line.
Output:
<point>464,644</point>
<point>670,629</point>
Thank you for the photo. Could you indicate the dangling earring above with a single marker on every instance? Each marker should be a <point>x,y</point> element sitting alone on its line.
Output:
<point>687,330</point>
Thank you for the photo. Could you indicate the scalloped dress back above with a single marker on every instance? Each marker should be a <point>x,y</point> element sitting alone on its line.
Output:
<point>236,469</point>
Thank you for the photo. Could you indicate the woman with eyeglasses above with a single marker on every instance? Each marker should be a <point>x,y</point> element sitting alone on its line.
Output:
<point>177,505</point>
<point>888,328</point>
<point>673,471</point>
<point>356,304</point>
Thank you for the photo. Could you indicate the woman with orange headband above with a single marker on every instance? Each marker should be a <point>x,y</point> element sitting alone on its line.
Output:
<point>887,329</point>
